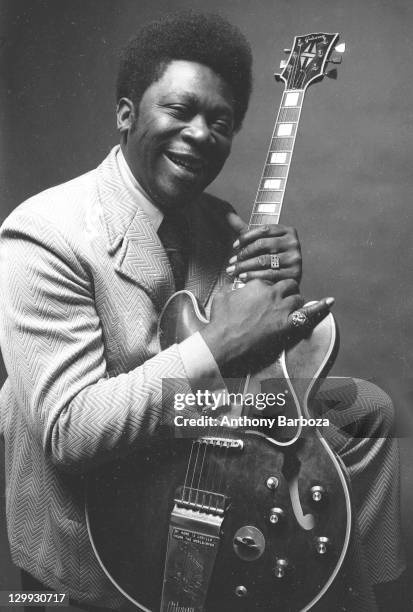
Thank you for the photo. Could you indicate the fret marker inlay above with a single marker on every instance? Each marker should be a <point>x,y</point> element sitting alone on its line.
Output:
<point>272,184</point>
<point>291,99</point>
<point>267,208</point>
<point>285,129</point>
<point>278,158</point>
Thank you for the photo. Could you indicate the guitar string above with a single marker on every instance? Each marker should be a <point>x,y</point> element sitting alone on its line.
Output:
<point>220,457</point>
<point>297,62</point>
<point>223,460</point>
<point>200,471</point>
<point>216,482</point>
<point>187,471</point>
<point>194,470</point>
<point>212,473</point>
<point>224,471</point>
<point>303,76</point>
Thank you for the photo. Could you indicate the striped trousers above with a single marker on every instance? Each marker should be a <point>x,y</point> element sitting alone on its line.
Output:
<point>361,431</point>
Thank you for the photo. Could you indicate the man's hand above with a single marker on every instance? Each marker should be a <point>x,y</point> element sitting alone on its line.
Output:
<point>253,250</point>
<point>250,326</point>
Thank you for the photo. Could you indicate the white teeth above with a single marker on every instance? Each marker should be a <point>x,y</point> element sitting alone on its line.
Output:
<point>194,167</point>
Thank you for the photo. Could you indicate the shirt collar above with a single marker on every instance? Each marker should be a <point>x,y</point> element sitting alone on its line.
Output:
<point>155,215</point>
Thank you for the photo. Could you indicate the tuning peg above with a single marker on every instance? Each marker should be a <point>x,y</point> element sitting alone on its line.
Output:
<point>335,59</point>
<point>283,64</point>
<point>331,74</point>
<point>340,48</point>
<point>287,50</point>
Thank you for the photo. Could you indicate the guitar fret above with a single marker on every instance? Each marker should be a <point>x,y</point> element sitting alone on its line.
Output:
<point>289,114</point>
<point>269,195</point>
<point>263,219</point>
<point>279,143</point>
<point>275,171</point>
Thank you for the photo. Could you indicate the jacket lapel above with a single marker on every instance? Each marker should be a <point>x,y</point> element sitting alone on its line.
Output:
<point>143,260</point>
<point>132,241</point>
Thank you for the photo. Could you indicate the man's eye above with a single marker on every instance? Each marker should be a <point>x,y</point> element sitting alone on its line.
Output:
<point>223,127</point>
<point>177,110</point>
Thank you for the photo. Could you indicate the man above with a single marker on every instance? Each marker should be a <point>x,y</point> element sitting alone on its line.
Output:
<point>85,273</point>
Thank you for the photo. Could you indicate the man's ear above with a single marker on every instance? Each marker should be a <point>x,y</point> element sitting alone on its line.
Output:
<point>125,115</point>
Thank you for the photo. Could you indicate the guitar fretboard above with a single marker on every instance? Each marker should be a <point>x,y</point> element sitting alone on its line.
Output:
<point>271,187</point>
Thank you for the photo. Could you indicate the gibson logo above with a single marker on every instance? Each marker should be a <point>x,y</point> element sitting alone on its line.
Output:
<point>311,38</point>
<point>175,607</point>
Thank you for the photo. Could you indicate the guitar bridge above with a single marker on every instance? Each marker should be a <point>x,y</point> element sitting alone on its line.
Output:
<point>233,443</point>
<point>208,503</point>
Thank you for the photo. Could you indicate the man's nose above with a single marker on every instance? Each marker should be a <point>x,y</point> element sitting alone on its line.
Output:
<point>197,129</point>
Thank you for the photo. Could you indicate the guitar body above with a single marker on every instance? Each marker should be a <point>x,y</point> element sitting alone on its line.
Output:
<point>262,563</point>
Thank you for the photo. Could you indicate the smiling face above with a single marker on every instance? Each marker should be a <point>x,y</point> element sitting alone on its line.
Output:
<point>179,138</point>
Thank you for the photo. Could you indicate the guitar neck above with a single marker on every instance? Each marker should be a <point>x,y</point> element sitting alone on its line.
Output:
<point>306,64</point>
<point>271,188</point>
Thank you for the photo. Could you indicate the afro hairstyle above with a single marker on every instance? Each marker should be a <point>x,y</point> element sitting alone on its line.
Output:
<point>206,38</point>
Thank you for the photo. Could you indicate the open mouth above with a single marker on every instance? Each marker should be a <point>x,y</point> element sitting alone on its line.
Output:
<point>191,164</point>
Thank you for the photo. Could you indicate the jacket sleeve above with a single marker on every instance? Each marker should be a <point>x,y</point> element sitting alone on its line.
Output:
<point>52,344</point>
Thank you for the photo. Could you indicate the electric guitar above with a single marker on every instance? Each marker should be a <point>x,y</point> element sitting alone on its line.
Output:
<point>246,518</point>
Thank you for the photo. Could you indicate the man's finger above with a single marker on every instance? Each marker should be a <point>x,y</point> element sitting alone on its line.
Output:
<point>236,223</point>
<point>310,314</point>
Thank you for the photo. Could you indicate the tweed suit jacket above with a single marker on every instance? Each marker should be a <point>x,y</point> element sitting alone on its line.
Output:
<point>83,280</point>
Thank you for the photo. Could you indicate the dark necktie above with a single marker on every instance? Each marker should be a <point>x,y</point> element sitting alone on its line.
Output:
<point>174,235</point>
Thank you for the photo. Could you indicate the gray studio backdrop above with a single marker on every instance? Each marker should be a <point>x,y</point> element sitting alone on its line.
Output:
<point>349,192</point>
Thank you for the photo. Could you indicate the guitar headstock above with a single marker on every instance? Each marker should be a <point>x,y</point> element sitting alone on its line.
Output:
<point>307,60</point>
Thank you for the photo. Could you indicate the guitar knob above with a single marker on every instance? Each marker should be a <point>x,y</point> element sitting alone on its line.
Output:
<point>318,493</point>
<point>322,544</point>
<point>281,566</point>
<point>277,515</point>
<point>248,543</point>
<point>272,483</point>
<point>241,591</point>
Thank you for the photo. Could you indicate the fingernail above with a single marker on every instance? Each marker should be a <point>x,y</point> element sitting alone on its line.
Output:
<point>230,269</point>
<point>242,276</point>
<point>236,244</point>
<point>330,301</point>
<point>233,259</point>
